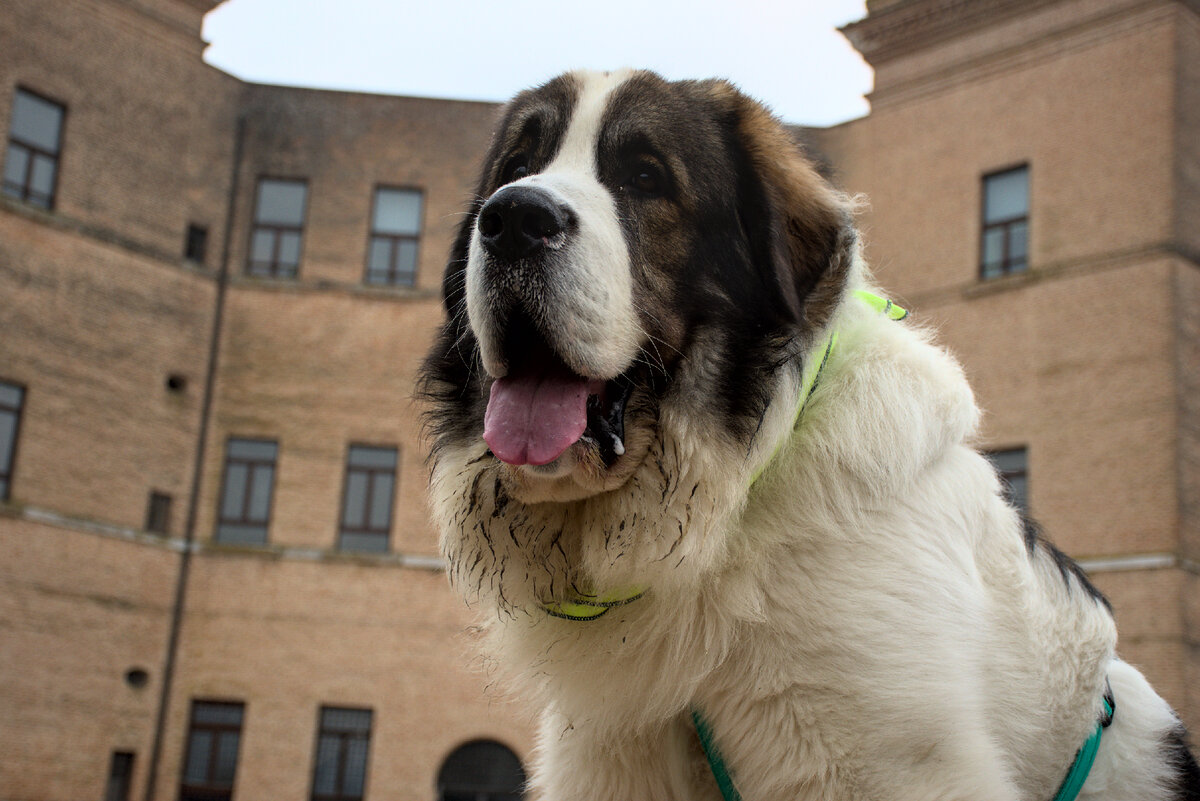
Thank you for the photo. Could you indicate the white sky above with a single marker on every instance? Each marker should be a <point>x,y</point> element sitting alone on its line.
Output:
<point>784,52</point>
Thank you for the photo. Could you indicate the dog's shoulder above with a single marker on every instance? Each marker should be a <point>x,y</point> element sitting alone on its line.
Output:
<point>890,401</point>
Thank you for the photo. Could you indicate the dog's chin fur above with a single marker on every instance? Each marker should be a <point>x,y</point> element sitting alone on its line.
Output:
<point>848,599</point>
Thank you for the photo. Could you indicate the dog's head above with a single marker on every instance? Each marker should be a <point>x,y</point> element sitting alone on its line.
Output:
<point>638,248</point>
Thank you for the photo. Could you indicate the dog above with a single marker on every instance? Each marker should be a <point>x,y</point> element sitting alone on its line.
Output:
<point>720,511</point>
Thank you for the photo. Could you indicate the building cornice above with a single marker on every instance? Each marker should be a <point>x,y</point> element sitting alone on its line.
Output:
<point>906,26</point>
<point>910,26</point>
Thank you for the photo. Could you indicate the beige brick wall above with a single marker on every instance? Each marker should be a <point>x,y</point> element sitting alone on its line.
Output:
<point>95,331</point>
<point>288,636</point>
<point>77,610</point>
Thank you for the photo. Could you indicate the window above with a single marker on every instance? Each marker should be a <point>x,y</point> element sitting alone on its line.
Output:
<point>246,491</point>
<point>1012,466</point>
<point>1005,242</point>
<point>481,771</point>
<point>12,398</point>
<point>395,228</point>
<point>34,138</point>
<point>344,738</point>
<point>210,762</point>
<point>158,514</point>
<point>120,776</point>
<point>278,228</point>
<point>367,505</point>
<point>195,244</point>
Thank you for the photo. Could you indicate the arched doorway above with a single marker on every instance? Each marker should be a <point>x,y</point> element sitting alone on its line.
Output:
<point>482,770</point>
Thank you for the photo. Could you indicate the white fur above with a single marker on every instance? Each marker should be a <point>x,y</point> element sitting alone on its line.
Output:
<point>590,303</point>
<point>862,622</point>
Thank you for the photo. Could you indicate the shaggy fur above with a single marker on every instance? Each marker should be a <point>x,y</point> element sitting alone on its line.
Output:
<point>866,619</point>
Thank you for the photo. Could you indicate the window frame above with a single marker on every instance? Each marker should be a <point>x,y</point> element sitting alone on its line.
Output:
<point>159,506</point>
<point>195,239</point>
<point>367,530</point>
<point>18,413</point>
<point>33,149</point>
<point>120,782</point>
<point>222,520</point>
<point>277,230</point>
<point>1007,265</point>
<point>392,275</point>
<point>210,790</point>
<point>344,737</point>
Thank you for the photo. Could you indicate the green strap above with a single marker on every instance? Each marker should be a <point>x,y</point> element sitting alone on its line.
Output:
<point>1083,762</point>
<point>590,607</point>
<point>715,762</point>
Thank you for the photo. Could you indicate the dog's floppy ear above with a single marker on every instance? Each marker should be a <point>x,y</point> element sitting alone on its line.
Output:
<point>799,227</point>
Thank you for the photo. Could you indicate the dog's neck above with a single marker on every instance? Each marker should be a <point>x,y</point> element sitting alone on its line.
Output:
<point>583,606</point>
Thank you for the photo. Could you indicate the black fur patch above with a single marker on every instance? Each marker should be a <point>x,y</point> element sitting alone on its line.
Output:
<point>1187,772</point>
<point>1072,573</point>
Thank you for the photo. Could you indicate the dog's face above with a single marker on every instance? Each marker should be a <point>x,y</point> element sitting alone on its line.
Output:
<point>637,245</point>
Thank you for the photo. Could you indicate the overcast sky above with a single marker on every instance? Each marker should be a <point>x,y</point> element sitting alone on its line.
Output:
<point>787,53</point>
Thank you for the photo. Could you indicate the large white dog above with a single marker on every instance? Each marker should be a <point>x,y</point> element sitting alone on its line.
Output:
<point>720,510</point>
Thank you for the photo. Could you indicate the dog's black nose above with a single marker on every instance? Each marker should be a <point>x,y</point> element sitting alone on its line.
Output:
<point>519,221</point>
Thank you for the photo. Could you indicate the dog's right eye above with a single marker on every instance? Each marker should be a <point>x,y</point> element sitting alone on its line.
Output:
<point>516,168</point>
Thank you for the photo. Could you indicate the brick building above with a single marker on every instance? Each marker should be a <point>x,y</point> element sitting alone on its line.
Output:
<point>215,570</point>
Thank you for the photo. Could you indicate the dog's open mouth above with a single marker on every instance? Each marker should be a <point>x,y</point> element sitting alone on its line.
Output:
<point>541,407</point>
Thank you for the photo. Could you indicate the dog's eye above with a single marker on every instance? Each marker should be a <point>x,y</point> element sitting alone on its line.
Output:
<point>647,179</point>
<point>516,168</point>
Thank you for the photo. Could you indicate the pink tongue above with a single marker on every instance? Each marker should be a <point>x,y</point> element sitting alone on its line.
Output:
<point>533,419</point>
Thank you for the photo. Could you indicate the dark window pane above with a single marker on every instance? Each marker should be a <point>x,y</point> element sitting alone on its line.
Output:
<point>195,246</point>
<point>280,202</point>
<point>289,248</point>
<point>16,166</point>
<point>397,211</point>
<point>1017,242</point>
<point>406,261</point>
<point>8,440</point>
<point>483,768</point>
<point>158,515</point>
<point>260,493</point>
<point>11,395</point>
<point>993,248</point>
<point>120,777</point>
<point>381,500</point>
<point>36,122</point>
<point>354,721</point>
<point>258,450</point>
<point>41,179</point>
<point>233,499</point>
<point>226,758</point>
<point>1006,195</point>
<point>262,246</point>
<point>325,777</point>
<point>380,258</point>
<point>363,456</point>
<point>356,766</point>
<point>217,714</point>
<point>356,500</point>
<point>199,748</point>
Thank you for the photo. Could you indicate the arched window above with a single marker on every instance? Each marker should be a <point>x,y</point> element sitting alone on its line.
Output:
<point>483,770</point>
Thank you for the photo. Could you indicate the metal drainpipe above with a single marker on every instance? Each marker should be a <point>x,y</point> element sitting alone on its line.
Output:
<point>189,534</point>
